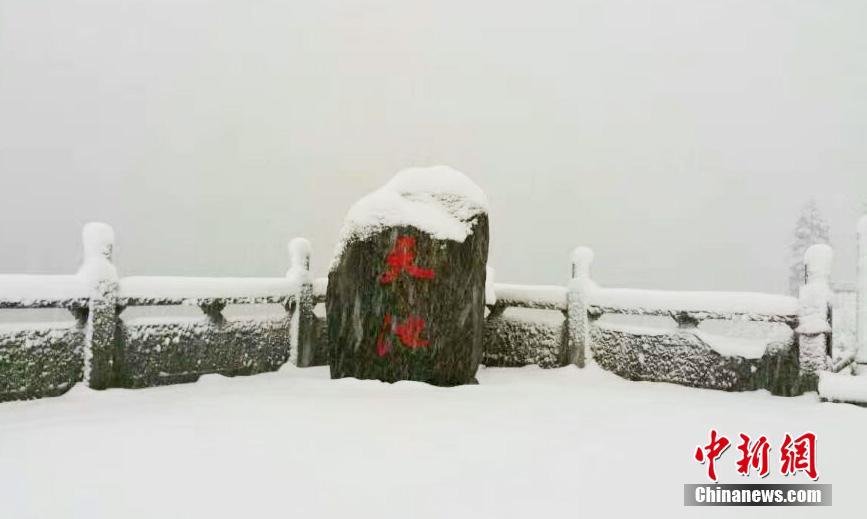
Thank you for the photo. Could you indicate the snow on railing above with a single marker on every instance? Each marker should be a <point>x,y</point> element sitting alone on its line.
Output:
<point>207,291</point>
<point>839,387</point>
<point>583,302</point>
<point>167,290</point>
<point>542,297</point>
<point>703,304</point>
<point>31,291</point>
<point>698,305</point>
<point>111,351</point>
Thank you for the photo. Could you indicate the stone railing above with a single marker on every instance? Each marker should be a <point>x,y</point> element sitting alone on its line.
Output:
<point>839,384</point>
<point>526,324</point>
<point>105,349</point>
<point>686,355</point>
<point>554,326</point>
<point>544,325</point>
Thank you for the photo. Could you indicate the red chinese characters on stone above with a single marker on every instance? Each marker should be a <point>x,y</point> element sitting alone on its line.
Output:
<point>755,456</point>
<point>409,332</point>
<point>402,259</point>
<point>383,343</point>
<point>799,455</point>
<point>711,452</point>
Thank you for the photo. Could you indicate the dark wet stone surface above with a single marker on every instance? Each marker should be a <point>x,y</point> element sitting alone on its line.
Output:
<point>422,318</point>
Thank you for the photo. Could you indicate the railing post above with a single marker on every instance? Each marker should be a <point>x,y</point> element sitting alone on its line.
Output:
<point>814,316</point>
<point>577,321</point>
<point>100,275</point>
<point>302,350</point>
<point>861,287</point>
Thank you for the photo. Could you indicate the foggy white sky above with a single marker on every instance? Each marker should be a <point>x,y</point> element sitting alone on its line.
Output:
<point>678,140</point>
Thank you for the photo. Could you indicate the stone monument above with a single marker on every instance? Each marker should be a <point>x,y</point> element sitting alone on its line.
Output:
<point>406,288</point>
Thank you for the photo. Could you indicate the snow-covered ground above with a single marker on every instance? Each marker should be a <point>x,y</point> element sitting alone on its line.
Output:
<point>524,443</point>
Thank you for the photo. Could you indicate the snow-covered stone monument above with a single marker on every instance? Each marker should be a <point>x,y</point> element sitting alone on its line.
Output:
<point>406,288</point>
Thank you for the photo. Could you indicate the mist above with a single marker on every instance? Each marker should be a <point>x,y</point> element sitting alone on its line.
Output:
<point>677,139</point>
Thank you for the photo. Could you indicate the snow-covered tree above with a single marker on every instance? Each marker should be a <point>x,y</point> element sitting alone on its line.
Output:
<point>810,229</point>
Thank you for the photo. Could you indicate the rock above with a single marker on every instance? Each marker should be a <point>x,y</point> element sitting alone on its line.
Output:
<point>406,289</point>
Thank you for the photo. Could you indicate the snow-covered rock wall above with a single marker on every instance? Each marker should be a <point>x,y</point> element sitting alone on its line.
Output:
<point>105,349</point>
<point>525,325</point>
<point>44,359</point>
<point>690,358</point>
<point>783,361</point>
<point>521,336</point>
<point>159,351</point>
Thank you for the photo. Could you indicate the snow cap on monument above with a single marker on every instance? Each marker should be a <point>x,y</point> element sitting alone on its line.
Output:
<point>438,200</point>
<point>406,288</point>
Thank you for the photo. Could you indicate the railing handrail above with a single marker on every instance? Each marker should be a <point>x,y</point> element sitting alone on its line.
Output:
<point>543,297</point>
<point>752,306</point>
<point>180,290</point>
<point>42,291</point>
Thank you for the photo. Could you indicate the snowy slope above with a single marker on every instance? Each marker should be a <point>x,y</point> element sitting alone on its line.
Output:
<point>524,443</point>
